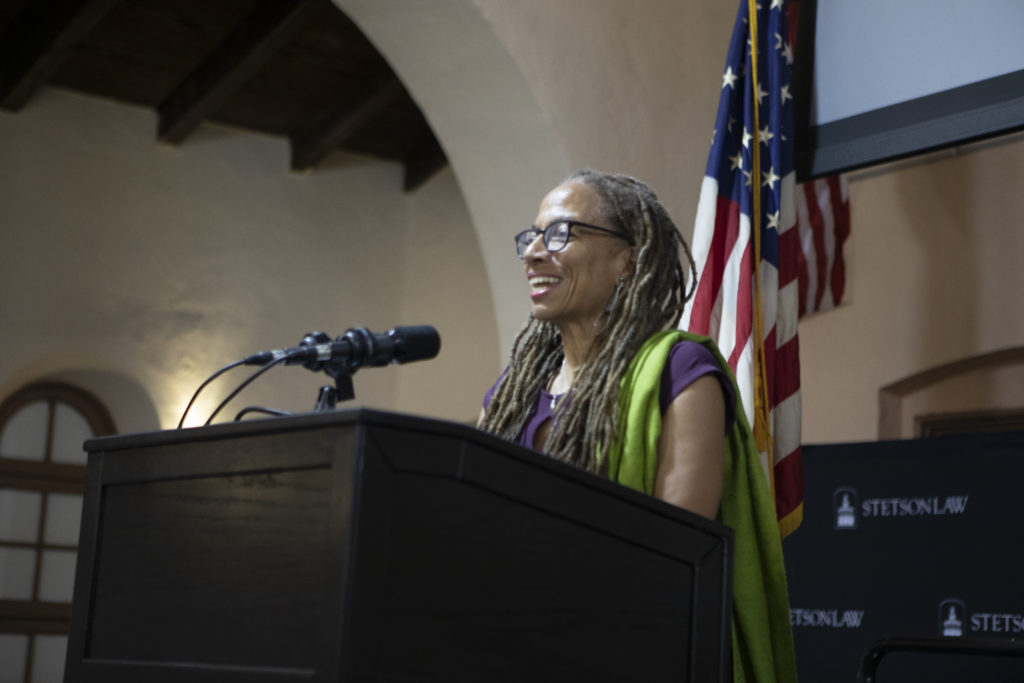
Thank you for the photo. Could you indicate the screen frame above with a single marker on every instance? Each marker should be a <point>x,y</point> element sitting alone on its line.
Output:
<point>977,111</point>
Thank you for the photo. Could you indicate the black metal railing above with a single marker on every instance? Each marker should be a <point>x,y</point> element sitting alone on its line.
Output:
<point>957,646</point>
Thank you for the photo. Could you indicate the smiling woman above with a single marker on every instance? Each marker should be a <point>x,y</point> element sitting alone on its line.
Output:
<point>605,276</point>
<point>600,378</point>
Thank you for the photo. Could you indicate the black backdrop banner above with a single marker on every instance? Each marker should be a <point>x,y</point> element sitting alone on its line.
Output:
<point>908,539</point>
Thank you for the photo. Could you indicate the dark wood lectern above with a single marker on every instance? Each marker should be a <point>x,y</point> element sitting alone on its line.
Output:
<point>364,546</point>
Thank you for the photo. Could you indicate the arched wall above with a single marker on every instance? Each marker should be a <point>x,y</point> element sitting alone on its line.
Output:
<point>983,383</point>
<point>123,257</point>
<point>521,92</point>
<point>500,143</point>
<point>629,87</point>
<point>130,404</point>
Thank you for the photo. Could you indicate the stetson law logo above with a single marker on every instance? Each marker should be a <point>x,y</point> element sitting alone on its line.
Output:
<point>825,618</point>
<point>955,622</point>
<point>951,617</point>
<point>849,513</point>
<point>844,504</point>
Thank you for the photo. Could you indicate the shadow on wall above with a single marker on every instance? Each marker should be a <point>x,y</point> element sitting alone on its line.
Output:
<point>942,218</point>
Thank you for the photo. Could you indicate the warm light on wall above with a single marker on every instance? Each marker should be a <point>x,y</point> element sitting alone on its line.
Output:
<point>172,395</point>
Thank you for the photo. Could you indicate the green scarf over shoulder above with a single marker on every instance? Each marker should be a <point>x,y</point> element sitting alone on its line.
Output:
<point>761,634</point>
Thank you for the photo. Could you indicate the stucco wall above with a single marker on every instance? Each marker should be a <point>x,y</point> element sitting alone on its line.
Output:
<point>934,276</point>
<point>135,270</point>
<point>630,87</point>
<point>445,286</point>
<point>633,87</point>
<point>138,269</point>
<point>502,148</point>
<point>605,83</point>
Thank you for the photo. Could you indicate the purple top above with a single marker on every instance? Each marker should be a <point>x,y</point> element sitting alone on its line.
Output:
<point>687,362</point>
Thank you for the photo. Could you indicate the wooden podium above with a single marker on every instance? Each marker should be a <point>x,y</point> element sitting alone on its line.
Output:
<point>362,546</point>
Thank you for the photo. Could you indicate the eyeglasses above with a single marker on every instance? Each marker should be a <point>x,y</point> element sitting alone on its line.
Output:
<point>556,236</point>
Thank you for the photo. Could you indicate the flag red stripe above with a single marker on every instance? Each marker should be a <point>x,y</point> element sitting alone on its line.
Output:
<point>789,483</point>
<point>744,304</point>
<point>724,235</point>
<point>817,223</point>
<point>841,217</point>
<point>786,364</point>
<point>745,297</point>
<point>801,279</point>
<point>769,365</point>
<point>789,248</point>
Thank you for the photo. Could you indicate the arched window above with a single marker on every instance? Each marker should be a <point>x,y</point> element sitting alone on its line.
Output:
<point>42,475</point>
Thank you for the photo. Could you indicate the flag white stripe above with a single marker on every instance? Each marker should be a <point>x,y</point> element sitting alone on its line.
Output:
<point>786,324</point>
<point>703,234</point>
<point>725,334</point>
<point>745,380</point>
<point>770,303</point>
<point>787,212</point>
<point>824,196</point>
<point>807,247</point>
<point>786,426</point>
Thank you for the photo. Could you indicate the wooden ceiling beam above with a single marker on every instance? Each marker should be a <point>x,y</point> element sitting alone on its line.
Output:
<point>37,42</point>
<point>268,28</point>
<point>312,146</point>
<point>422,164</point>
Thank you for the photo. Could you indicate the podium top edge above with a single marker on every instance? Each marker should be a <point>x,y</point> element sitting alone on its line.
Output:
<point>258,426</point>
<point>370,417</point>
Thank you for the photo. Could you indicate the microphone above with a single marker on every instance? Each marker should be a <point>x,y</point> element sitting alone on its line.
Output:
<point>356,348</point>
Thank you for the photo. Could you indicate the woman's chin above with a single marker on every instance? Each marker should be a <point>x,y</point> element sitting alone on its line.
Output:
<point>543,313</point>
<point>543,308</point>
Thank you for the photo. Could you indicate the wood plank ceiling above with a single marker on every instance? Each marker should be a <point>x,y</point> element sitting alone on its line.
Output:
<point>293,68</point>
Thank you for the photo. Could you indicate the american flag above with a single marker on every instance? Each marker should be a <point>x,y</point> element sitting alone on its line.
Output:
<point>823,222</point>
<point>725,244</point>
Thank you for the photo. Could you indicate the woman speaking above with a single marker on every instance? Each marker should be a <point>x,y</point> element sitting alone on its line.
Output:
<point>599,378</point>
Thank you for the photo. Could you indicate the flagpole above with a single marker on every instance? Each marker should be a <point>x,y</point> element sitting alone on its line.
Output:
<point>762,432</point>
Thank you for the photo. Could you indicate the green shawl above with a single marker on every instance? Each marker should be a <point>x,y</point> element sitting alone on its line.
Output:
<point>762,638</point>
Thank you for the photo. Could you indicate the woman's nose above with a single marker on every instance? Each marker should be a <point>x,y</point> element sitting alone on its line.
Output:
<point>535,249</point>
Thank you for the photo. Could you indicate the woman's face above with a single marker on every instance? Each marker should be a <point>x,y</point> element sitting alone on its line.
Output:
<point>575,284</point>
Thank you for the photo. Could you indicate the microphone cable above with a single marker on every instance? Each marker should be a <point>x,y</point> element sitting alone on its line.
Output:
<point>260,409</point>
<point>202,386</point>
<point>342,357</point>
<point>243,385</point>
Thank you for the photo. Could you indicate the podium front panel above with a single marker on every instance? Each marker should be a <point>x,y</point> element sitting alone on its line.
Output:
<point>363,546</point>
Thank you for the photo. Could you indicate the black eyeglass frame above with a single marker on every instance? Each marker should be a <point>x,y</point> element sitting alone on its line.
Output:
<point>525,238</point>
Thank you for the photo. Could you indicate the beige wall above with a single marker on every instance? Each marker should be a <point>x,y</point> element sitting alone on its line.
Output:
<point>628,86</point>
<point>445,286</point>
<point>519,94</point>
<point>503,151</point>
<point>934,277</point>
<point>136,270</point>
<point>633,86</point>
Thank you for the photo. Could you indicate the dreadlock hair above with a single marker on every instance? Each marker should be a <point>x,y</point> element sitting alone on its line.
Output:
<point>651,299</point>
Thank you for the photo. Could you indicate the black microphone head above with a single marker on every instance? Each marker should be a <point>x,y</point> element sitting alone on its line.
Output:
<point>415,342</point>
